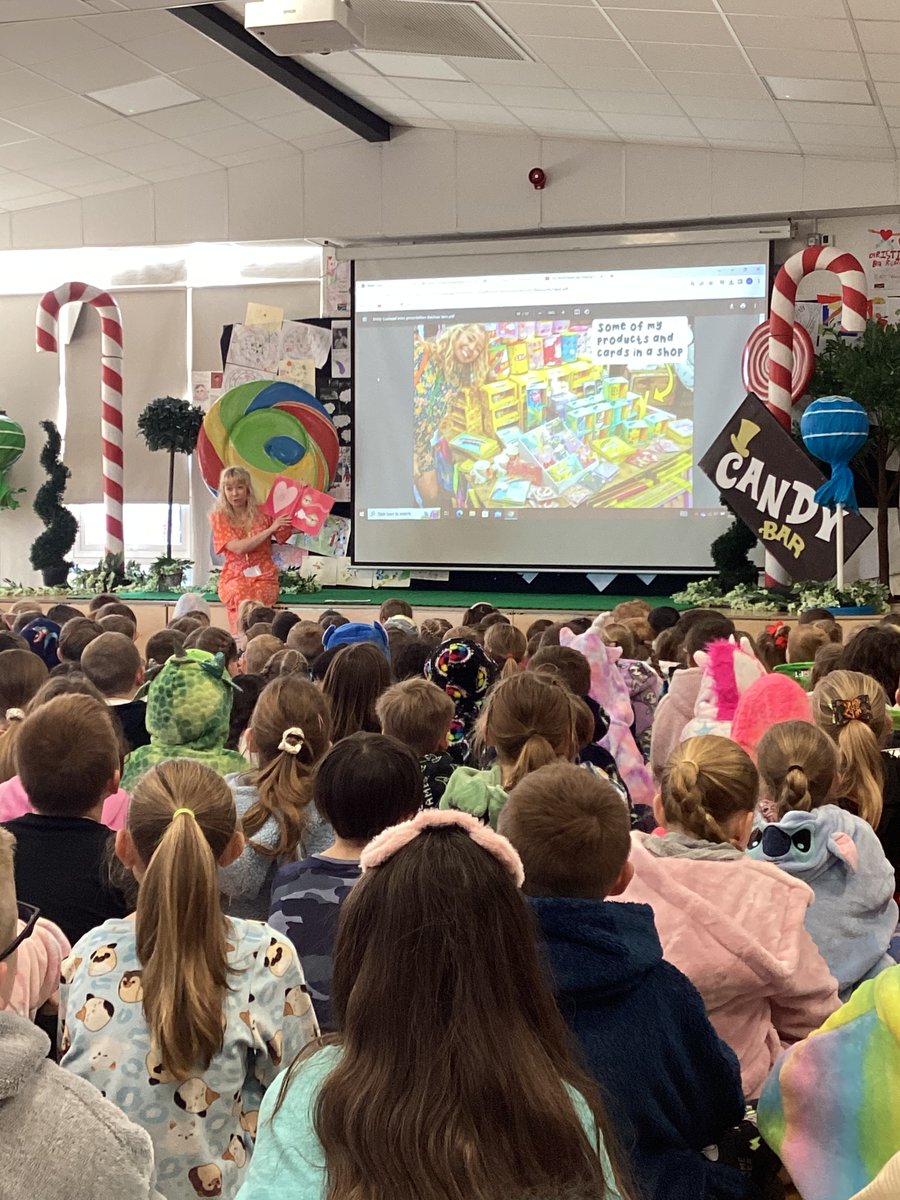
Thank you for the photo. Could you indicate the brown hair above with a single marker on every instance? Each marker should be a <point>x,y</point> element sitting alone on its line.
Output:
<point>568,663</point>
<point>707,781</point>
<point>163,644</point>
<point>771,645</point>
<point>477,612</point>
<point>283,778</point>
<point>537,627</point>
<point>417,713</point>
<point>112,663</point>
<point>97,602</point>
<point>464,633</point>
<point>245,608</point>
<point>117,609</point>
<point>529,720</point>
<point>804,641</point>
<point>356,677</point>
<point>215,641</point>
<point>858,738</point>
<point>21,675</point>
<point>398,1115</point>
<point>798,766</point>
<point>75,635</point>
<point>828,658</point>
<point>366,783</point>
<point>76,735</point>
<point>305,636</point>
<point>186,624</point>
<point>394,607</point>
<point>258,651</point>
<point>617,634</point>
<point>285,662</point>
<point>115,623</point>
<point>434,630</point>
<point>506,645</point>
<point>60,613</point>
<point>571,829</point>
<point>179,926</point>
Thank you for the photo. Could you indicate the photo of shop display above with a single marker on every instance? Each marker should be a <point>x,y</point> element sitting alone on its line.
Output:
<point>520,414</point>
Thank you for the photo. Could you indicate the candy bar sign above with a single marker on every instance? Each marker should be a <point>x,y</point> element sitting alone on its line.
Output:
<point>771,484</point>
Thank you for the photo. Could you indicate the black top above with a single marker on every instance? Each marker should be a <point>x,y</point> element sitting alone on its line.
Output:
<point>132,716</point>
<point>62,866</point>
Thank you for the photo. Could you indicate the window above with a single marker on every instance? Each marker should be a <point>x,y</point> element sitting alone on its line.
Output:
<point>145,532</point>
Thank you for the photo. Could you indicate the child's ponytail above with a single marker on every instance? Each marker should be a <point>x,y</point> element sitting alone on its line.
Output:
<point>505,645</point>
<point>851,708</point>
<point>21,675</point>
<point>181,819</point>
<point>798,766</point>
<point>530,720</point>
<point>706,782</point>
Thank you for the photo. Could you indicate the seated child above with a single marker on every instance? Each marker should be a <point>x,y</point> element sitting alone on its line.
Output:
<point>505,645</point>
<point>188,716</point>
<point>727,670</point>
<point>289,732</point>
<point>306,636</point>
<point>62,1139</point>
<point>418,714</point>
<point>462,668</point>
<point>733,925</point>
<point>853,917</point>
<point>162,645</point>
<point>21,676</point>
<point>804,641</point>
<point>574,670</point>
<point>179,1014</point>
<point>683,1091</point>
<point>215,640</point>
<point>68,756</point>
<point>367,783</point>
<point>766,702</point>
<point>113,665</point>
<point>74,636</point>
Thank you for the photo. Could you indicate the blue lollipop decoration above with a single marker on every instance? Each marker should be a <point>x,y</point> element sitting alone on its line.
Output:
<point>833,430</point>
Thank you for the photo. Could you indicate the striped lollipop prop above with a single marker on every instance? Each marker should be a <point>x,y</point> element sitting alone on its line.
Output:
<point>755,362</point>
<point>12,443</point>
<point>111,423</point>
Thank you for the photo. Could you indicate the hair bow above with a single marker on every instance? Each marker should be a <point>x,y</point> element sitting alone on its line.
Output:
<point>779,634</point>
<point>857,708</point>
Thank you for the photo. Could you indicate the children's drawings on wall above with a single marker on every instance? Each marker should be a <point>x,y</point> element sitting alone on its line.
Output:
<point>234,376</point>
<point>300,340</point>
<point>255,346</point>
<point>340,349</point>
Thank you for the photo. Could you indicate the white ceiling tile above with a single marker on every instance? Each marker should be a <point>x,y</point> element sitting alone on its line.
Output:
<point>661,5</point>
<point>808,64</point>
<point>405,110</point>
<point>223,79</point>
<point>698,29</point>
<point>21,87</point>
<point>892,116</point>
<point>543,120</point>
<point>122,183</point>
<point>630,102</point>
<point>121,134</point>
<point>36,152</point>
<point>554,19</point>
<point>880,37</point>
<point>816,9</point>
<point>740,108</point>
<point>374,88</point>
<point>38,41</point>
<point>764,147</point>
<point>35,201</point>
<point>888,93</point>
<point>55,115</point>
<point>269,101</point>
<point>182,171</point>
<point>234,139</point>
<point>468,116</point>
<point>324,141</point>
<point>288,127</point>
<point>445,91</point>
<point>408,66</point>
<point>10,133</point>
<point>186,118</point>
<point>747,131</point>
<point>343,63</point>
<point>688,83</point>
<point>496,71</point>
<point>513,96</point>
<point>82,170</point>
<point>834,114</point>
<point>13,186</point>
<point>849,92</point>
<point>794,33</point>
<point>874,135</point>
<point>157,156</point>
<point>661,56</point>
<point>127,26</point>
<point>636,123</point>
<point>885,68</point>
<point>95,70</point>
<point>40,10</point>
<point>624,79</point>
<point>588,54</point>
<point>178,50</point>
<point>871,10</point>
<point>838,150</point>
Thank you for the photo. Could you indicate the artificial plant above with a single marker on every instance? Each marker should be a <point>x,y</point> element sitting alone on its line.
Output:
<point>867,369</point>
<point>731,556</point>
<point>172,425</point>
<point>49,549</point>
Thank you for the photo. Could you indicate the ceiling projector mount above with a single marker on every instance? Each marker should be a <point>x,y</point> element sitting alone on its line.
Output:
<point>305,26</point>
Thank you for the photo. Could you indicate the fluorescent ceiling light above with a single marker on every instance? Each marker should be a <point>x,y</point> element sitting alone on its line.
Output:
<point>147,95</point>
<point>823,91</point>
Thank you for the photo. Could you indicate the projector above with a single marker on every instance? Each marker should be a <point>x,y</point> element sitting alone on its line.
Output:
<point>304,26</point>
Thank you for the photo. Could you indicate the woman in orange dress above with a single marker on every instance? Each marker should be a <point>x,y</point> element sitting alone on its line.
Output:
<point>244,535</point>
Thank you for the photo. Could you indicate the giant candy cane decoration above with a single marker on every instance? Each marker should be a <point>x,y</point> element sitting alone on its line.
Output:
<point>111,425</point>
<point>854,310</point>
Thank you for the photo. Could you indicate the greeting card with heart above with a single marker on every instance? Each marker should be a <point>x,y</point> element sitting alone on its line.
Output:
<point>283,498</point>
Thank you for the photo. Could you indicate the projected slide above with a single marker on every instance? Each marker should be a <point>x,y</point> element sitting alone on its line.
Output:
<point>572,406</point>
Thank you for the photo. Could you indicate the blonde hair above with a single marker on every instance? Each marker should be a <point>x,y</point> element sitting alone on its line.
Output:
<point>283,779</point>
<point>529,719</point>
<point>804,641</point>
<point>444,349</point>
<point>417,713</point>
<point>243,521</point>
<point>180,930</point>
<point>258,652</point>
<point>858,737</point>
<point>706,782</point>
<point>798,766</point>
<point>506,645</point>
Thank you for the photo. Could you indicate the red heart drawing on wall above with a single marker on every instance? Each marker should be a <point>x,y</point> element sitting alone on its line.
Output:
<point>886,234</point>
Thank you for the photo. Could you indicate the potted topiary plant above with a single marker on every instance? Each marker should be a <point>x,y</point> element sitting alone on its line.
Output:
<point>172,425</point>
<point>49,549</point>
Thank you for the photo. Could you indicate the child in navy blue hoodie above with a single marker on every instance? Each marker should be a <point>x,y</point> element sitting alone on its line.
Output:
<point>672,1087</point>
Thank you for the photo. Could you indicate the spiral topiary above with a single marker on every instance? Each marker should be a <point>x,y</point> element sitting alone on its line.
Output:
<point>49,549</point>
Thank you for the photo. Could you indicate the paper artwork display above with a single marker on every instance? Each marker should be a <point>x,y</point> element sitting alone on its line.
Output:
<point>234,376</point>
<point>340,350</point>
<point>288,557</point>
<point>301,371</point>
<point>206,387</point>
<point>340,485</point>
<point>337,287</point>
<point>255,346</point>
<point>299,340</point>
<point>264,314</point>
<point>332,539</point>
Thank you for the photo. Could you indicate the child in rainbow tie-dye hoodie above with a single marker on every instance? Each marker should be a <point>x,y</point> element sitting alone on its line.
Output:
<point>831,1106</point>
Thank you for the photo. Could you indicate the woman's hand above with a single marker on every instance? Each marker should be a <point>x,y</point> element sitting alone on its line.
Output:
<point>279,523</point>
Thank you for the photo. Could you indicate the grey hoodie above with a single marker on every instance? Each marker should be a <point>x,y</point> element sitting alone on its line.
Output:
<point>62,1140</point>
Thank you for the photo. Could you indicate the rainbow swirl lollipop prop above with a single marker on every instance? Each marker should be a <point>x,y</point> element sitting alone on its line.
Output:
<point>269,429</point>
<point>12,443</point>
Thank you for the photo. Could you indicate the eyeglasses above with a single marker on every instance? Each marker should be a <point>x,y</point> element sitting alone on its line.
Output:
<point>29,914</point>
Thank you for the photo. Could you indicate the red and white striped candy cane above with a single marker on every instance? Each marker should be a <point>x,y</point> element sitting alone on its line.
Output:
<point>854,310</point>
<point>111,423</point>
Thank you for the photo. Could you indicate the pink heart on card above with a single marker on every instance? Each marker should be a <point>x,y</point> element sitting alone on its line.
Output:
<point>284,495</point>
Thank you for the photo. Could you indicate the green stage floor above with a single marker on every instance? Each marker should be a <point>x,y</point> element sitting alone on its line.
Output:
<point>374,598</point>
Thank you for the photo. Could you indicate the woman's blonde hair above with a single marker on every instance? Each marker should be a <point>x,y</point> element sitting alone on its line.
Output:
<point>445,346</point>
<point>291,731</point>
<point>852,709</point>
<point>506,645</point>
<point>244,520</point>
<point>798,766</point>
<point>706,782</point>
<point>529,719</point>
<point>21,675</point>
<point>180,930</point>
